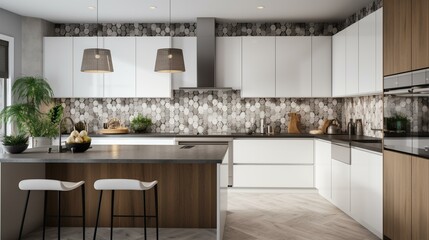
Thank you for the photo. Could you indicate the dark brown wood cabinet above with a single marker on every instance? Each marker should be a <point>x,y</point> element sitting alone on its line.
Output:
<point>397,196</point>
<point>420,198</point>
<point>420,34</point>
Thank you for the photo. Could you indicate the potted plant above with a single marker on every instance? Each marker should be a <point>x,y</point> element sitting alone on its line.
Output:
<point>15,143</point>
<point>140,124</point>
<point>31,94</point>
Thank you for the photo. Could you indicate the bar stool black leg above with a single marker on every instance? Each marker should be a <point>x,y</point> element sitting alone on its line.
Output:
<point>45,206</point>
<point>144,215</point>
<point>83,211</point>
<point>59,215</point>
<point>23,217</point>
<point>156,211</point>
<point>111,214</point>
<point>98,214</point>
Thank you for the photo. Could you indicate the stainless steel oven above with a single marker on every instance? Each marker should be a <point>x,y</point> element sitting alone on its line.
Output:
<point>186,141</point>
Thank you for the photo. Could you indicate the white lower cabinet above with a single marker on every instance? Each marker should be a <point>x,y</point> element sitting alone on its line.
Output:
<point>323,168</point>
<point>341,185</point>
<point>367,190</point>
<point>273,163</point>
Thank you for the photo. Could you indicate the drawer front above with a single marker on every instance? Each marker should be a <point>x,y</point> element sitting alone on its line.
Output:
<point>273,176</point>
<point>291,151</point>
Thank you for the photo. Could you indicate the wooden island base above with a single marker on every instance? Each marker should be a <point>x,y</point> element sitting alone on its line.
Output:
<point>187,194</point>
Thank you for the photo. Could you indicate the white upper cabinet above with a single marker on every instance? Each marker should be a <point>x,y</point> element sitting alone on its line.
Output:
<point>149,83</point>
<point>379,50</point>
<point>367,52</point>
<point>259,67</point>
<point>352,59</point>
<point>321,66</point>
<point>86,85</point>
<point>189,77</point>
<point>339,64</point>
<point>122,82</point>
<point>58,65</point>
<point>228,62</point>
<point>293,66</point>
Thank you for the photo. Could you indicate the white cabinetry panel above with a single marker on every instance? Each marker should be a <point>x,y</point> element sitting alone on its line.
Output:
<point>189,48</point>
<point>323,168</point>
<point>379,50</point>
<point>86,85</point>
<point>293,66</point>
<point>122,82</point>
<point>352,59</point>
<point>272,176</point>
<point>321,66</point>
<point>367,53</point>
<point>341,185</point>
<point>228,62</point>
<point>339,64</point>
<point>149,83</point>
<point>58,65</point>
<point>279,151</point>
<point>258,71</point>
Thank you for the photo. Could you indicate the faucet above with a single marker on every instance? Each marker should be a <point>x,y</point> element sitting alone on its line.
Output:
<point>60,148</point>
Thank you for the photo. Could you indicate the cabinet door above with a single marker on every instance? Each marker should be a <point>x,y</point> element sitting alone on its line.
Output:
<point>151,84</point>
<point>367,54</point>
<point>228,62</point>
<point>86,85</point>
<point>189,48</point>
<point>341,185</point>
<point>397,195</point>
<point>379,50</point>
<point>352,59</point>
<point>259,67</point>
<point>58,65</point>
<point>293,67</point>
<point>420,34</point>
<point>339,64</point>
<point>366,189</point>
<point>420,198</point>
<point>321,66</point>
<point>121,82</point>
<point>397,27</point>
<point>323,168</point>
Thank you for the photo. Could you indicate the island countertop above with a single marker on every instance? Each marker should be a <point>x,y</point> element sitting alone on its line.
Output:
<point>124,154</point>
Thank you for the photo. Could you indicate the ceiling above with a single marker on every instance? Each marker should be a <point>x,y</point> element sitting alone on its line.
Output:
<point>121,11</point>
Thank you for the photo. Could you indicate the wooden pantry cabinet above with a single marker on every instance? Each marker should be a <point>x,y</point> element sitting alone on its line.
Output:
<point>420,198</point>
<point>420,34</point>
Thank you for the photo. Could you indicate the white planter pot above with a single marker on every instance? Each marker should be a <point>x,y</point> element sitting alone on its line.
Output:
<point>41,142</point>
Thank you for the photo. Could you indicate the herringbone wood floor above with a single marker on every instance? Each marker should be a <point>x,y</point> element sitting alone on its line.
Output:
<point>252,216</point>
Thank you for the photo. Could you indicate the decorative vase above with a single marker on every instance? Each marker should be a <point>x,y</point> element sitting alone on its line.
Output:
<point>41,142</point>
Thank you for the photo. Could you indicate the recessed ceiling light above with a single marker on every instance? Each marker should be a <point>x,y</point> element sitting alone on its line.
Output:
<point>260,7</point>
<point>91,7</point>
<point>152,7</point>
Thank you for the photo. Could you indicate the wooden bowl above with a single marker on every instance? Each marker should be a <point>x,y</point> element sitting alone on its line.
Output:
<point>78,147</point>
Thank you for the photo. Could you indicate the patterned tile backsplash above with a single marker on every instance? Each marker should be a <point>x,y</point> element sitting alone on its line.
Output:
<point>204,111</point>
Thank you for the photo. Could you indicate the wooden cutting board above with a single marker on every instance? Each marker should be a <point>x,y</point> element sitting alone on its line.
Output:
<point>114,131</point>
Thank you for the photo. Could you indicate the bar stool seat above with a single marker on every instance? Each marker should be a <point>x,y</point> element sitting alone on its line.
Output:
<point>56,186</point>
<point>127,185</point>
<point>48,185</point>
<point>123,184</point>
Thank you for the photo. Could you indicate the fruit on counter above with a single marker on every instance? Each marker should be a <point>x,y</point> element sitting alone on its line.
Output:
<point>78,137</point>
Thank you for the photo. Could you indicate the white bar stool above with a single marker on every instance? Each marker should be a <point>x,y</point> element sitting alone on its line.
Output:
<point>51,185</point>
<point>131,185</point>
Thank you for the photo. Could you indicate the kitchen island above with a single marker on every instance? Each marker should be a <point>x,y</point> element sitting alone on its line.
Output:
<point>192,185</point>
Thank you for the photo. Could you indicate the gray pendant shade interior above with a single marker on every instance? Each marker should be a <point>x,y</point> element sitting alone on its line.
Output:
<point>169,60</point>
<point>97,60</point>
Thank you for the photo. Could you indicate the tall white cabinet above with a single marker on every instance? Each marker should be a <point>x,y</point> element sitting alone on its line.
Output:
<point>339,64</point>
<point>321,66</point>
<point>259,67</point>
<point>149,83</point>
<point>293,67</point>
<point>189,77</point>
<point>228,62</point>
<point>58,65</point>
<point>352,59</point>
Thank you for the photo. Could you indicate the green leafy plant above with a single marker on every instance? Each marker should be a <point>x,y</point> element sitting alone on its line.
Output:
<point>15,140</point>
<point>140,124</point>
<point>31,93</point>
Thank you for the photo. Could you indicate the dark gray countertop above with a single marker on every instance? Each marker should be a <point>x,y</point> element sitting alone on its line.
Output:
<point>124,154</point>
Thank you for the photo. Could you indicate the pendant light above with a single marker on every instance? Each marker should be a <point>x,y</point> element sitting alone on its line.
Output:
<point>169,60</point>
<point>97,60</point>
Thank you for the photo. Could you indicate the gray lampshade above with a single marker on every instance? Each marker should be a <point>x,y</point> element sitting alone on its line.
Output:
<point>96,60</point>
<point>169,60</point>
